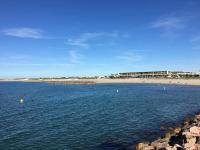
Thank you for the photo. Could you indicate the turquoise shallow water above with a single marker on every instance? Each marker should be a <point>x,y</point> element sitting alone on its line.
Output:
<point>89,117</point>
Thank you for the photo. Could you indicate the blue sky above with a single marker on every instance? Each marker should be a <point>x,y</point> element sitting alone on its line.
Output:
<point>42,38</point>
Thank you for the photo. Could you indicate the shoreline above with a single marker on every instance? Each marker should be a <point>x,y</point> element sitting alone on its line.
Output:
<point>152,81</point>
<point>184,137</point>
<point>194,82</point>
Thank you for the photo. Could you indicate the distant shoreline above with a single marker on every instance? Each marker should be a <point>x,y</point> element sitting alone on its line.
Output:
<point>152,81</point>
<point>195,82</point>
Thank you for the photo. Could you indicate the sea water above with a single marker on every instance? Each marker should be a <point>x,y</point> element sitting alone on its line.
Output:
<point>89,117</point>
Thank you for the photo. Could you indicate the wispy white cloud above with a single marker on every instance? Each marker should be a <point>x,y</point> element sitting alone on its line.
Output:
<point>130,57</point>
<point>83,39</point>
<point>196,47</point>
<point>126,35</point>
<point>170,27</point>
<point>169,23</point>
<point>75,57</point>
<point>24,32</point>
<point>35,64</point>
<point>195,38</point>
<point>28,60</point>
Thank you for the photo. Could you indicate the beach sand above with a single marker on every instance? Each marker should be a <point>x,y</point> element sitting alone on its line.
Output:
<point>154,81</point>
<point>131,80</point>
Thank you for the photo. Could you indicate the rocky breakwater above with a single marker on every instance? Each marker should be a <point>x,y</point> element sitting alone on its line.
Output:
<point>72,82</point>
<point>185,137</point>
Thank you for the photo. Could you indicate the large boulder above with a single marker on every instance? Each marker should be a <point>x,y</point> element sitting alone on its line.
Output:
<point>177,130</point>
<point>141,146</point>
<point>197,117</point>
<point>149,148</point>
<point>191,140</point>
<point>195,131</point>
<point>188,135</point>
<point>160,144</point>
<point>187,121</point>
<point>190,146</point>
<point>171,148</point>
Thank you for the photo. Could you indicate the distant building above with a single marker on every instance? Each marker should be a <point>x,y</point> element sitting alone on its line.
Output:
<point>156,74</point>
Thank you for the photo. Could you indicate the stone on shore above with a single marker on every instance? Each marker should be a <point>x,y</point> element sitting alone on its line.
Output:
<point>186,137</point>
<point>144,146</point>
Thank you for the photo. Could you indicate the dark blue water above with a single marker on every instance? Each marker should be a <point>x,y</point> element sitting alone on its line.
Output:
<point>89,117</point>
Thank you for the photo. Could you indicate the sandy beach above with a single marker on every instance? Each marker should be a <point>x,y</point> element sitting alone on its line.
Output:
<point>195,82</point>
<point>154,81</point>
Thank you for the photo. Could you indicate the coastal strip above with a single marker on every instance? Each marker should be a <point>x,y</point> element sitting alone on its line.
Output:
<point>185,137</point>
<point>195,82</point>
<point>151,81</point>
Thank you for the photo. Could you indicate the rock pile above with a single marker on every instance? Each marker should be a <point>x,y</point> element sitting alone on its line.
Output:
<point>186,137</point>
